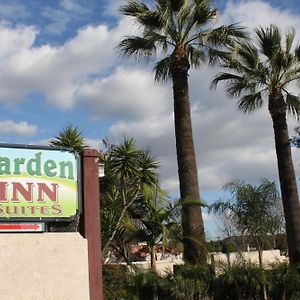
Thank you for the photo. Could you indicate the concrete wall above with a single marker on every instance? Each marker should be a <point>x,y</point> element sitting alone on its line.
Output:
<point>165,266</point>
<point>43,266</point>
<point>269,257</point>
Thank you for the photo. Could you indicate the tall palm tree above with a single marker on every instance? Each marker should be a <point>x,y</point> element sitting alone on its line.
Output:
<point>182,31</point>
<point>264,71</point>
<point>70,137</point>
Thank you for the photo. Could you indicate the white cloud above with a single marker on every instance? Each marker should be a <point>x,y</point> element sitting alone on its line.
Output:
<point>73,6</point>
<point>15,40</point>
<point>59,18</point>
<point>22,128</point>
<point>256,13</point>
<point>94,143</point>
<point>13,11</point>
<point>111,8</point>
<point>55,72</point>
<point>129,93</point>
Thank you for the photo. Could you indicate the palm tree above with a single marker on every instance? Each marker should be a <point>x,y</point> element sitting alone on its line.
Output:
<point>261,71</point>
<point>154,220</point>
<point>70,137</point>
<point>255,211</point>
<point>129,172</point>
<point>181,31</point>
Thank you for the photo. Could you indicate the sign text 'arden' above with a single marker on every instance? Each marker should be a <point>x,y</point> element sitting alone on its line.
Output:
<point>37,183</point>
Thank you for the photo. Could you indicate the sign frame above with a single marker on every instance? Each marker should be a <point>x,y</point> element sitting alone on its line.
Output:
<point>79,185</point>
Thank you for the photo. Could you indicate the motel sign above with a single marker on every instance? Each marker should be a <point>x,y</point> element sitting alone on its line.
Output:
<point>38,183</point>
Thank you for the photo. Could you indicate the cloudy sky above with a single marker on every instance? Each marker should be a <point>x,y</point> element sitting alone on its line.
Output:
<point>58,66</point>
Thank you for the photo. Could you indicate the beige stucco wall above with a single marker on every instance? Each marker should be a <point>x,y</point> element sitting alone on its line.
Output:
<point>165,266</point>
<point>269,257</point>
<point>43,266</point>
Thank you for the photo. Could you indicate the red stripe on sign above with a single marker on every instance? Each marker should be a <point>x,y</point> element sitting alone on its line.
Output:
<point>19,226</point>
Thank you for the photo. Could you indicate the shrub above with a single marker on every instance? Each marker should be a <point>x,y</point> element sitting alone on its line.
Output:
<point>191,282</point>
<point>284,282</point>
<point>115,281</point>
<point>241,281</point>
<point>148,286</point>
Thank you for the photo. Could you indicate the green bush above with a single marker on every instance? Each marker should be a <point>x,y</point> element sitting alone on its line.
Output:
<point>191,282</point>
<point>115,281</point>
<point>187,283</point>
<point>148,286</point>
<point>284,282</point>
<point>241,281</point>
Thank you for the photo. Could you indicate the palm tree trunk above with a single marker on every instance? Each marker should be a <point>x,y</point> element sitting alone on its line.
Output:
<point>289,192</point>
<point>260,259</point>
<point>153,258</point>
<point>260,255</point>
<point>192,222</point>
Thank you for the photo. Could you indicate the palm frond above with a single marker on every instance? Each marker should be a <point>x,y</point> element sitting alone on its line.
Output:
<point>297,52</point>
<point>162,69</point>
<point>152,20</point>
<point>235,84</point>
<point>289,39</point>
<point>250,103</point>
<point>293,105</point>
<point>220,207</point>
<point>70,137</point>
<point>158,38</point>
<point>176,5</point>
<point>141,48</point>
<point>147,166</point>
<point>196,56</point>
<point>269,40</point>
<point>223,76</point>
<point>225,35</point>
<point>218,56</point>
<point>133,8</point>
<point>248,54</point>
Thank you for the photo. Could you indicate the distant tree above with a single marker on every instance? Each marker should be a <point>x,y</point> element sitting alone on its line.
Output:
<point>155,220</point>
<point>70,137</point>
<point>264,71</point>
<point>253,210</point>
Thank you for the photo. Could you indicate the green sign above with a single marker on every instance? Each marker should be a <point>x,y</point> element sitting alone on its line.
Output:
<point>38,183</point>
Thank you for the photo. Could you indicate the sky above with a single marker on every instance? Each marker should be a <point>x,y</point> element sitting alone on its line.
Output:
<point>59,66</point>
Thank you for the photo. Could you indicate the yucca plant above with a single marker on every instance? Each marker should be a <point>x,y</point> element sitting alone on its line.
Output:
<point>70,137</point>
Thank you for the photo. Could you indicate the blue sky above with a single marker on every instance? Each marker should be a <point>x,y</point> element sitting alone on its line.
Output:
<point>58,66</point>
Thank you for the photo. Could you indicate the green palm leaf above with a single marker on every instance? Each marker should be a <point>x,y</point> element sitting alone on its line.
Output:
<point>293,105</point>
<point>250,103</point>
<point>138,47</point>
<point>70,137</point>
<point>162,69</point>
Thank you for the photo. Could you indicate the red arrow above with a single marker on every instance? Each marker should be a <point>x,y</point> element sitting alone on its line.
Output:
<point>19,226</point>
